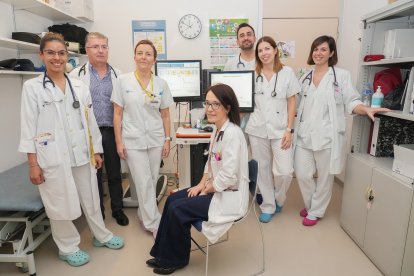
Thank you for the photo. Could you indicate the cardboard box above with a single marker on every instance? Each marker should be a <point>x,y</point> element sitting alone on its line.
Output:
<point>404,160</point>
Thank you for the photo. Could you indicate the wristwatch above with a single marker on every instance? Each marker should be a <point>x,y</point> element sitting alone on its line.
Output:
<point>291,130</point>
<point>168,138</point>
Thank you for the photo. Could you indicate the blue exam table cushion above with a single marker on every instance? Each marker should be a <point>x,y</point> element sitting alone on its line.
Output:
<point>17,193</point>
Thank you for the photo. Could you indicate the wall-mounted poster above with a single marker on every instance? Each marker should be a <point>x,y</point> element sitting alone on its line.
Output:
<point>153,30</point>
<point>223,40</point>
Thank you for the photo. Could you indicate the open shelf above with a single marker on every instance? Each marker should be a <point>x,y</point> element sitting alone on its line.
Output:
<point>389,61</point>
<point>397,9</point>
<point>10,72</point>
<point>43,9</point>
<point>26,47</point>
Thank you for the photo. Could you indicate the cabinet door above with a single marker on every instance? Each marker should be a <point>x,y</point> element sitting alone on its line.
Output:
<point>387,222</point>
<point>354,204</point>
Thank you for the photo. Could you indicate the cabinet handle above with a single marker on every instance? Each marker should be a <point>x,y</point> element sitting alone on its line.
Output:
<point>370,194</point>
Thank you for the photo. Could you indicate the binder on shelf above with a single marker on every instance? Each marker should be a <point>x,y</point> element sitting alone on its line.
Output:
<point>390,131</point>
<point>409,94</point>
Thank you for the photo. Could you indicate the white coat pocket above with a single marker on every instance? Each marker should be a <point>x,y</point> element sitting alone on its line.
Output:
<point>47,154</point>
<point>281,113</point>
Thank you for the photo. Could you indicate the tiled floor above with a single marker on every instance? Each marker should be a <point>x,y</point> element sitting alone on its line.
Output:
<point>291,249</point>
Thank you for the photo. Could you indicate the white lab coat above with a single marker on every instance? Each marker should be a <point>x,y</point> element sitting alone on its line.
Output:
<point>85,75</point>
<point>316,128</point>
<point>59,194</point>
<point>270,117</point>
<point>229,167</point>
<point>142,125</point>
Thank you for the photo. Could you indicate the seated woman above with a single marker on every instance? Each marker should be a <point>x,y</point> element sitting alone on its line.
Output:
<point>221,196</point>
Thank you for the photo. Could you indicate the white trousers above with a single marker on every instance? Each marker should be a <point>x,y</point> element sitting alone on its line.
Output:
<point>144,166</point>
<point>64,232</point>
<point>316,195</point>
<point>275,171</point>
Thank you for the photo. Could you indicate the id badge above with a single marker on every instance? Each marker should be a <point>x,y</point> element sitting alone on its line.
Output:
<point>156,102</point>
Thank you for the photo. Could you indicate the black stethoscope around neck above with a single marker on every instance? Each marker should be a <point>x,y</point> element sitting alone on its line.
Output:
<point>240,63</point>
<point>83,68</point>
<point>274,93</point>
<point>309,79</point>
<point>47,79</point>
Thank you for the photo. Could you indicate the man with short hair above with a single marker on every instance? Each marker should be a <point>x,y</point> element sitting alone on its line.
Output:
<point>245,60</point>
<point>99,76</point>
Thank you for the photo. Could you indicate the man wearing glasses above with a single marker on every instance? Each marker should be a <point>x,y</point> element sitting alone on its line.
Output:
<point>99,76</point>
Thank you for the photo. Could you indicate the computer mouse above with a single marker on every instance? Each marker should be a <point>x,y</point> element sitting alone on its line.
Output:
<point>208,129</point>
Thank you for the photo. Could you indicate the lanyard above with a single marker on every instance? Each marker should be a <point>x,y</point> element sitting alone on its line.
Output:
<point>150,94</point>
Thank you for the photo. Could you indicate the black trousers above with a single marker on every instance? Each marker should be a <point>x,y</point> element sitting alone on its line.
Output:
<point>112,165</point>
<point>173,242</point>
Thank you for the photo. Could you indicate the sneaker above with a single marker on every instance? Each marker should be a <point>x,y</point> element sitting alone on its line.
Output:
<point>303,213</point>
<point>265,218</point>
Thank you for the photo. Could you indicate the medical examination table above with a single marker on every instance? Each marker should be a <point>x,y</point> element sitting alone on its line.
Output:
<point>23,222</point>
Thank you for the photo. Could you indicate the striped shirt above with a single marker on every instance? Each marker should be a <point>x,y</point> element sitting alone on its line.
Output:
<point>101,91</point>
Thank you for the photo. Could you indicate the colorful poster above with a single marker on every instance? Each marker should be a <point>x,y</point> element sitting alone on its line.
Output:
<point>286,49</point>
<point>153,30</point>
<point>223,40</point>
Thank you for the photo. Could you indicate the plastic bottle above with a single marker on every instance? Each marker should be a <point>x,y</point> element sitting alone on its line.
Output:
<point>366,94</point>
<point>377,98</point>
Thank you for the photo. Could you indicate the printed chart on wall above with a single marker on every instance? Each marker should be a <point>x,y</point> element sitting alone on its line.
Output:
<point>223,40</point>
<point>153,30</point>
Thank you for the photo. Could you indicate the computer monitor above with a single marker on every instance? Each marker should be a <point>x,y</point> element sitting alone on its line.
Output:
<point>242,83</point>
<point>183,78</point>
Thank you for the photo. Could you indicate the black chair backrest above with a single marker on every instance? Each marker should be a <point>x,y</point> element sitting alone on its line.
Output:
<point>253,172</point>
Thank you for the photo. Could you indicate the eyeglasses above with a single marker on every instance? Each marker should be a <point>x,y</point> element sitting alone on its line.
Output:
<point>214,105</point>
<point>97,47</point>
<point>51,53</point>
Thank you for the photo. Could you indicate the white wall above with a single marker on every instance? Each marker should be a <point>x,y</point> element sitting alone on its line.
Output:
<point>350,31</point>
<point>118,29</point>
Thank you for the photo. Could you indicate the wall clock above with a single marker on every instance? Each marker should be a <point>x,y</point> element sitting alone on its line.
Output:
<point>189,26</point>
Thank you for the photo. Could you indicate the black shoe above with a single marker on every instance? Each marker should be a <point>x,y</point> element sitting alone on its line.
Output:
<point>166,270</point>
<point>152,263</point>
<point>120,218</point>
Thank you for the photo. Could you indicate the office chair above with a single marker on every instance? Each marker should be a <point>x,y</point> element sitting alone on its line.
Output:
<point>253,176</point>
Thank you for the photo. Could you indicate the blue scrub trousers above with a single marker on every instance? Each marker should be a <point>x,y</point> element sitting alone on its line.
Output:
<point>173,242</point>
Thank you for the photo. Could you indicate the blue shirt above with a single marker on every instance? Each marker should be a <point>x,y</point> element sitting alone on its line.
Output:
<point>101,91</point>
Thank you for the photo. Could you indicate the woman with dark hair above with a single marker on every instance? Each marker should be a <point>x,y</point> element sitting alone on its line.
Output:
<point>60,135</point>
<point>270,127</point>
<point>142,128</point>
<point>219,199</point>
<point>327,95</point>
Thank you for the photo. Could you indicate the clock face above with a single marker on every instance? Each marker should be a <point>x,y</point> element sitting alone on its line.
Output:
<point>189,26</point>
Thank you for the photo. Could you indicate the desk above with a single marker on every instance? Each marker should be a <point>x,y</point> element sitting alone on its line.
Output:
<point>191,144</point>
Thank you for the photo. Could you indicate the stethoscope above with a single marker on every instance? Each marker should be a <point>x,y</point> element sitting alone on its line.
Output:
<point>240,63</point>
<point>309,79</point>
<point>274,93</point>
<point>75,103</point>
<point>83,68</point>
